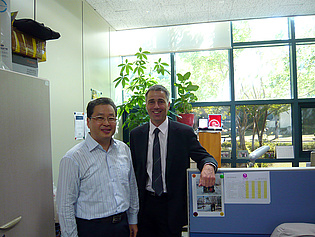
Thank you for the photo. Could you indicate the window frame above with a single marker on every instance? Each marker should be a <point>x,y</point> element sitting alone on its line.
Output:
<point>295,103</point>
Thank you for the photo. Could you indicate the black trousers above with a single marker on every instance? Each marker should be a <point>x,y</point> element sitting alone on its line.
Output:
<point>153,219</point>
<point>103,227</point>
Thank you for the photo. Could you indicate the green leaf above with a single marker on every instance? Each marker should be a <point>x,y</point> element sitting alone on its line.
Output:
<point>187,75</point>
<point>136,77</point>
<point>192,88</point>
<point>180,77</point>
<point>185,90</point>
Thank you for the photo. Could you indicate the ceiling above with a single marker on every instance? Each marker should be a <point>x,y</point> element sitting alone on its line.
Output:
<point>136,14</point>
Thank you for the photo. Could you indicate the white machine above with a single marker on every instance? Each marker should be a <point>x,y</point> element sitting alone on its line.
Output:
<point>256,154</point>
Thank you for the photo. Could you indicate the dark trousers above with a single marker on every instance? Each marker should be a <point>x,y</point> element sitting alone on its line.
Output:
<point>103,227</point>
<point>153,219</point>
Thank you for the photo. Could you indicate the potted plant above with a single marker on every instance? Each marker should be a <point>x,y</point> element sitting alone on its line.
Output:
<point>186,96</point>
<point>136,77</point>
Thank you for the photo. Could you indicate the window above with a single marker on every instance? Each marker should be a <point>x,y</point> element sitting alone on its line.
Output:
<point>265,124</point>
<point>260,30</point>
<point>308,129</point>
<point>262,73</point>
<point>305,54</point>
<point>166,79</point>
<point>304,27</point>
<point>224,111</point>
<point>209,70</point>
<point>163,80</point>
<point>263,87</point>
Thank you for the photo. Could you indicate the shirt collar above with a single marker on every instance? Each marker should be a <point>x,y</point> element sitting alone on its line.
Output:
<point>92,144</point>
<point>163,127</point>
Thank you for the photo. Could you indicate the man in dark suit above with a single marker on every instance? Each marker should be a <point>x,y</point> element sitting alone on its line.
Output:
<point>163,197</point>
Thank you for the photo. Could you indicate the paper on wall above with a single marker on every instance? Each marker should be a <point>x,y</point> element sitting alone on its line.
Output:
<point>247,187</point>
<point>79,125</point>
<point>5,35</point>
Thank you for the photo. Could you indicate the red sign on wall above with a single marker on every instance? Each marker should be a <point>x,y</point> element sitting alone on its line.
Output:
<point>214,121</point>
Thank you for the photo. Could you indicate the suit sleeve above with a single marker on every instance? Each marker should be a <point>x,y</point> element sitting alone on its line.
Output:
<point>132,148</point>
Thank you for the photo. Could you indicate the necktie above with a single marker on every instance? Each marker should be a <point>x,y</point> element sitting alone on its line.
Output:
<point>157,184</point>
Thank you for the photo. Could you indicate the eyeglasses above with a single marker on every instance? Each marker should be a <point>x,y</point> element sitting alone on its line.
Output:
<point>101,119</point>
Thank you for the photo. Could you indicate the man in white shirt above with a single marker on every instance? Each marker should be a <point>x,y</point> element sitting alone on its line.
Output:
<point>161,152</point>
<point>97,194</point>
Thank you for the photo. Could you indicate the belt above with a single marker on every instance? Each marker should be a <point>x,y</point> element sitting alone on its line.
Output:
<point>113,219</point>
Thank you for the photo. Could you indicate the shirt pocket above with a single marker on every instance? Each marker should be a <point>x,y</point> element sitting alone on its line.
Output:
<point>124,171</point>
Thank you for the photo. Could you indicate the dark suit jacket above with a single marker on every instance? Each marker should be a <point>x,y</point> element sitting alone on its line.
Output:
<point>181,145</point>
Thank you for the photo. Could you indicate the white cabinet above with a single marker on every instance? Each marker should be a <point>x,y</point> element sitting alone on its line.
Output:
<point>26,188</point>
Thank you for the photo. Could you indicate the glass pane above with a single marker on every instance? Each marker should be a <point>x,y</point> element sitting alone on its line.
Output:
<point>308,129</point>
<point>259,125</point>
<point>163,80</point>
<point>260,165</point>
<point>304,164</point>
<point>260,29</point>
<point>209,70</point>
<point>279,165</point>
<point>203,112</point>
<point>262,73</point>
<point>305,70</point>
<point>241,165</point>
<point>304,27</point>
<point>226,165</point>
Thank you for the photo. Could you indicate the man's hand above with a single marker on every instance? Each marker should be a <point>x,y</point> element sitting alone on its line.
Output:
<point>133,230</point>
<point>207,176</point>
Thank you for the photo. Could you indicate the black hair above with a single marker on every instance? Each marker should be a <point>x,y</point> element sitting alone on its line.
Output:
<point>100,101</point>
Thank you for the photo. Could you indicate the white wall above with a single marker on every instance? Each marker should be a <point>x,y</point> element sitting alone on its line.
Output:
<point>76,62</point>
<point>95,46</point>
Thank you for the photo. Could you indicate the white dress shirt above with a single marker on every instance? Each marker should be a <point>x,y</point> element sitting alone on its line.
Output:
<point>163,146</point>
<point>94,184</point>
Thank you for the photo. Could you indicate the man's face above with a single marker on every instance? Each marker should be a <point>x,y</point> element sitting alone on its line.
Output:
<point>102,131</point>
<point>157,106</point>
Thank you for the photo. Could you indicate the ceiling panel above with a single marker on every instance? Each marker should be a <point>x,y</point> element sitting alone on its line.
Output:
<point>135,14</point>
